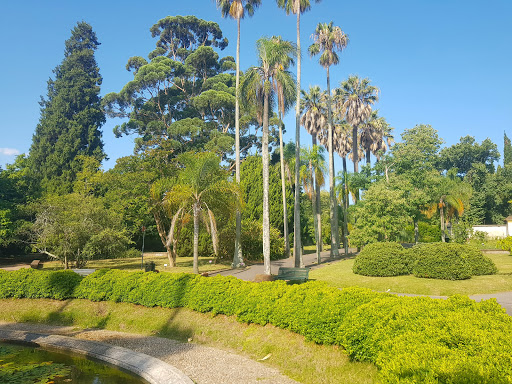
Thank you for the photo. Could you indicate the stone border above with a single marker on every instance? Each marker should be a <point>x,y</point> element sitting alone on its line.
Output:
<point>152,370</point>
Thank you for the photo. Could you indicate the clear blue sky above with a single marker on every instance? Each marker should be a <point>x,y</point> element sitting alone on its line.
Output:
<point>441,62</point>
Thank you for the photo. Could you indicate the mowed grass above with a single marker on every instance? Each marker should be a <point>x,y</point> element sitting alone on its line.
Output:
<point>303,361</point>
<point>339,274</point>
<point>183,264</point>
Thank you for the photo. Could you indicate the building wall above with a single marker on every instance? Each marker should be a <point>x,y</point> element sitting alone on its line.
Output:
<point>495,231</point>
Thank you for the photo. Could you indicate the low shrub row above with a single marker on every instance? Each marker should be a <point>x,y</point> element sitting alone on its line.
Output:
<point>446,261</point>
<point>410,339</point>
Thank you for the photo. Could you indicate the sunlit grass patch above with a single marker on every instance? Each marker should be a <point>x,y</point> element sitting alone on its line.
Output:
<point>183,264</point>
<point>340,274</point>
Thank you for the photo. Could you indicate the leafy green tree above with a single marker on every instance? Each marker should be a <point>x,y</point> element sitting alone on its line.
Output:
<point>507,150</point>
<point>16,208</point>
<point>178,36</point>
<point>74,228</point>
<point>381,215</point>
<point>417,152</point>
<point>202,186</point>
<point>414,162</point>
<point>489,203</point>
<point>464,154</point>
<point>71,115</point>
<point>297,7</point>
<point>237,9</point>
<point>272,54</point>
<point>181,99</point>
<point>327,40</point>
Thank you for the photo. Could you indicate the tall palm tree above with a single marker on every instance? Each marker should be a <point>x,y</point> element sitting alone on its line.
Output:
<point>313,179</point>
<point>356,97</point>
<point>237,9</point>
<point>272,52</point>
<point>201,186</point>
<point>375,136</point>
<point>342,144</point>
<point>452,196</point>
<point>284,89</point>
<point>297,7</point>
<point>327,40</point>
<point>314,121</point>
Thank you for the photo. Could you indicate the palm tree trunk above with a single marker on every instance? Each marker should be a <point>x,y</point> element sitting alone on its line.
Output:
<point>318,203</point>
<point>195,266</point>
<point>355,152</point>
<point>333,203</point>
<point>266,212</point>
<point>171,255</point>
<point>345,206</point>
<point>283,189</point>
<point>237,257</point>
<point>297,248</point>
<point>368,157</point>
<point>313,205</point>
<point>416,232</point>
<point>441,213</point>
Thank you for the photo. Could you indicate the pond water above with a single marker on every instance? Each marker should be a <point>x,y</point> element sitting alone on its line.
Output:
<point>24,365</point>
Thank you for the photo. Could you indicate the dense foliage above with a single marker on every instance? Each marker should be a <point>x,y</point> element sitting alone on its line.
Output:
<point>71,115</point>
<point>383,259</point>
<point>450,261</point>
<point>410,339</point>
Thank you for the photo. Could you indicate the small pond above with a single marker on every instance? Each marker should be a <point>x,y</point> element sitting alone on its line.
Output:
<point>24,365</point>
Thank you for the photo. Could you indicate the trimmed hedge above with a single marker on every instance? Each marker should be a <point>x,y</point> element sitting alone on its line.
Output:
<point>34,284</point>
<point>410,339</point>
<point>383,259</point>
<point>450,261</point>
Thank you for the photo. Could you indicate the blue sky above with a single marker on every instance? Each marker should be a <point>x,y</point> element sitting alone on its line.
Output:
<point>441,62</point>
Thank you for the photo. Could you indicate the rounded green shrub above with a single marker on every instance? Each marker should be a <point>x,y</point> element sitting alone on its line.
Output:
<point>383,259</point>
<point>449,261</point>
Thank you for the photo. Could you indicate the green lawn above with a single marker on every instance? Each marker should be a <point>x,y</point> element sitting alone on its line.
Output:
<point>340,274</point>
<point>183,264</point>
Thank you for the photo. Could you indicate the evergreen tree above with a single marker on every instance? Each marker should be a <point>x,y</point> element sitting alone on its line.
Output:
<point>507,150</point>
<point>71,115</point>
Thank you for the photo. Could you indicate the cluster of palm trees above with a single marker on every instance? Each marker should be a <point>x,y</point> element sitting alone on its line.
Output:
<point>327,116</point>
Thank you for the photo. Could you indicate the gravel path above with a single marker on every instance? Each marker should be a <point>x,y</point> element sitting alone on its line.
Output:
<point>204,365</point>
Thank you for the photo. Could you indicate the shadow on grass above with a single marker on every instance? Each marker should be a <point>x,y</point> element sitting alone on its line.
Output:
<point>57,317</point>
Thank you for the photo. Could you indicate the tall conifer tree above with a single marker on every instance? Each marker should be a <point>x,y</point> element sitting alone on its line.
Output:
<point>71,115</point>
<point>507,150</point>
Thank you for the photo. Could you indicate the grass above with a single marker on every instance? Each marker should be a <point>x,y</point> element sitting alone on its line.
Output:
<point>183,264</point>
<point>303,361</point>
<point>339,274</point>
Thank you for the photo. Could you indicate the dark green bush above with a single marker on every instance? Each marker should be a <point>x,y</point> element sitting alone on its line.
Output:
<point>450,261</point>
<point>410,339</point>
<point>31,283</point>
<point>480,264</point>
<point>383,259</point>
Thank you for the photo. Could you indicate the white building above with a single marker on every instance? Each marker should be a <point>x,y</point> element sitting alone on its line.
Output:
<point>496,231</point>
